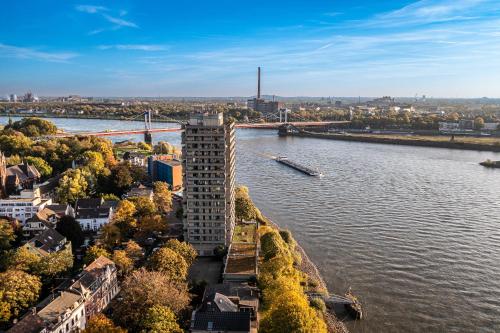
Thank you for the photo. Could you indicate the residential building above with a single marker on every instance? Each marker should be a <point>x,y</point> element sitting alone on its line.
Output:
<point>93,213</point>
<point>98,283</point>
<point>228,307</point>
<point>48,242</point>
<point>17,177</point>
<point>45,219</point>
<point>140,191</point>
<point>165,169</point>
<point>23,206</point>
<point>209,176</point>
<point>41,221</point>
<point>63,312</point>
<point>135,158</point>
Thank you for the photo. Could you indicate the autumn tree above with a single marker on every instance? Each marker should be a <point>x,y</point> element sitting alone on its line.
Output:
<point>124,216</point>
<point>33,126</point>
<point>144,289</point>
<point>244,206</point>
<point>73,185</point>
<point>123,262</point>
<point>162,197</point>
<point>159,319</point>
<point>111,235</point>
<point>288,310</point>
<point>134,250</point>
<point>55,263</point>
<point>163,147</point>
<point>144,206</point>
<point>69,227</point>
<point>99,323</point>
<point>478,123</point>
<point>94,162</point>
<point>24,260</point>
<point>170,263</point>
<point>95,252</point>
<point>40,164</point>
<point>18,291</point>
<point>186,250</point>
<point>7,234</point>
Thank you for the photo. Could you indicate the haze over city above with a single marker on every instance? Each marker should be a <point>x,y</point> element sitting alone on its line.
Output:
<point>314,48</point>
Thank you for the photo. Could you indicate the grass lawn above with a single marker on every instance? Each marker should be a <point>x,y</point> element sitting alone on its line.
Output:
<point>244,233</point>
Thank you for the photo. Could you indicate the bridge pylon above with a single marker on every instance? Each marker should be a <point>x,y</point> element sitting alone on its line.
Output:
<point>148,137</point>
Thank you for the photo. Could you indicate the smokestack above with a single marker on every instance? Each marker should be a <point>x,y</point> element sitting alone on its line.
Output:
<point>258,83</point>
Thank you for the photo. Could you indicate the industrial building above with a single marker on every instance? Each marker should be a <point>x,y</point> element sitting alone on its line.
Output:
<point>209,174</point>
<point>260,104</point>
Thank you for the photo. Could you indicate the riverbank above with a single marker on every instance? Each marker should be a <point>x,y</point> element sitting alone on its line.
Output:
<point>464,143</point>
<point>308,267</point>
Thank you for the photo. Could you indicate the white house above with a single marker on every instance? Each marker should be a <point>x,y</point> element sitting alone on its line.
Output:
<point>92,214</point>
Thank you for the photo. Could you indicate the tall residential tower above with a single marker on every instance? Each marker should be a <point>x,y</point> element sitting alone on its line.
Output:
<point>208,149</point>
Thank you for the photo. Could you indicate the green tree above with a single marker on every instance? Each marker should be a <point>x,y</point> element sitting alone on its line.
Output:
<point>170,263</point>
<point>73,185</point>
<point>19,290</point>
<point>55,263</point>
<point>244,206</point>
<point>144,206</point>
<point>40,164</point>
<point>99,323</point>
<point>110,197</point>
<point>69,227</point>
<point>144,289</point>
<point>32,126</point>
<point>95,252</point>
<point>162,197</point>
<point>187,251</point>
<point>159,319</point>
<point>163,147</point>
<point>111,235</point>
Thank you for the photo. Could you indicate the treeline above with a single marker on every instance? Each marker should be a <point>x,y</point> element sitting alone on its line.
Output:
<point>96,171</point>
<point>285,306</point>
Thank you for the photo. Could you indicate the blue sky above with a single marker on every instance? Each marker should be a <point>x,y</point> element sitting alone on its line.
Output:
<point>446,48</point>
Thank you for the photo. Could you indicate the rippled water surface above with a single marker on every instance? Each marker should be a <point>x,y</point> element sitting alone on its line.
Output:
<point>414,231</point>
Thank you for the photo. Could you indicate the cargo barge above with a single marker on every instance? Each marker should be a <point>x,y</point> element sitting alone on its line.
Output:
<point>308,171</point>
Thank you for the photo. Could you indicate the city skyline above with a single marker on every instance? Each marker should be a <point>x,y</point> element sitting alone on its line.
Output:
<point>399,48</point>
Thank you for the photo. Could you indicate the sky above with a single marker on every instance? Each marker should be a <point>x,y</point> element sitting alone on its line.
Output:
<point>442,48</point>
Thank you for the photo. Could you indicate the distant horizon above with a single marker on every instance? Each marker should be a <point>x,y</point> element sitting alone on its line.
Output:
<point>445,48</point>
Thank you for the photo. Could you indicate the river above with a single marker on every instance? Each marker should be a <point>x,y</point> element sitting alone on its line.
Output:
<point>414,231</point>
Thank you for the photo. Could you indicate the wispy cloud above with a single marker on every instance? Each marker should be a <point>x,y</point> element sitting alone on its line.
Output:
<point>431,11</point>
<point>30,53</point>
<point>135,47</point>
<point>120,22</point>
<point>104,12</point>
<point>90,9</point>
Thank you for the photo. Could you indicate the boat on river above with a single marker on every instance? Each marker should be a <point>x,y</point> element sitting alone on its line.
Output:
<point>299,167</point>
<point>491,164</point>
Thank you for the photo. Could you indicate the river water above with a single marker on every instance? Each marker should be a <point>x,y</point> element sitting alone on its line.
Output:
<point>414,231</point>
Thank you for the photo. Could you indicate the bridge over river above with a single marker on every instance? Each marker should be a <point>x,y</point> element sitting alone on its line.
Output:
<point>149,130</point>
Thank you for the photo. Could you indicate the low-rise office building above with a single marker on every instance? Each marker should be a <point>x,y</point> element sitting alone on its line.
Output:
<point>23,206</point>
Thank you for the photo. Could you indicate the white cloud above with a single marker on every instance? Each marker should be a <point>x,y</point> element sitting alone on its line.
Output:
<point>30,53</point>
<point>120,22</point>
<point>136,47</point>
<point>90,9</point>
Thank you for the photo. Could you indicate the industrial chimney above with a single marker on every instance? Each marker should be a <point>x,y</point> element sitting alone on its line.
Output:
<point>258,83</point>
